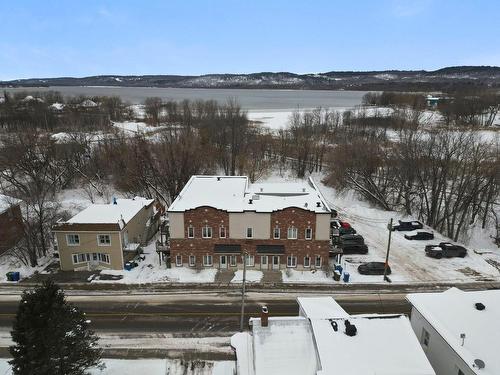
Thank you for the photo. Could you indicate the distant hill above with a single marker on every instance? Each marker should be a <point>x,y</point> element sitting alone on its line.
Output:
<point>403,80</point>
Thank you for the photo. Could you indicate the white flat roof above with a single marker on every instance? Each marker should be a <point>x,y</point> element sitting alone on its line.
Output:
<point>235,194</point>
<point>453,312</point>
<point>320,308</point>
<point>6,202</point>
<point>124,209</point>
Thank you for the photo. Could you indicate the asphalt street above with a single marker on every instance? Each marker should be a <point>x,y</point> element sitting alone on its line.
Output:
<point>197,315</point>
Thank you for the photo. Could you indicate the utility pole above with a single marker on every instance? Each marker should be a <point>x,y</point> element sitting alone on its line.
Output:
<point>243,291</point>
<point>389,227</point>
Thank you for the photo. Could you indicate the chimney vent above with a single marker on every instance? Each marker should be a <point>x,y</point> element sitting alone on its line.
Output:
<point>264,317</point>
<point>250,201</point>
<point>218,178</point>
<point>114,200</point>
<point>350,329</point>
<point>318,204</point>
<point>480,306</point>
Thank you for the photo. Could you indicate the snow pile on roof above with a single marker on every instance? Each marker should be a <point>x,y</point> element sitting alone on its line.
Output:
<point>56,106</point>
<point>234,194</point>
<point>124,210</point>
<point>6,202</point>
<point>453,312</point>
<point>315,343</point>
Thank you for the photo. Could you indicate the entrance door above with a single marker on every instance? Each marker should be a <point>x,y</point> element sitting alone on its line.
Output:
<point>276,262</point>
<point>223,261</point>
<point>263,262</point>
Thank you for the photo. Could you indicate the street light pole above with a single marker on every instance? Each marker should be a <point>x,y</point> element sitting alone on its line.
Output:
<point>243,291</point>
<point>389,226</point>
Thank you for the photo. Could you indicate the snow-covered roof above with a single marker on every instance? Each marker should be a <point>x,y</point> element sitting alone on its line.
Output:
<point>88,103</point>
<point>6,202</point>
<point>453,313</point>
<point>235,194</point>
<point>310,345</point>
<point>121,212</point>
<point>56,106</point>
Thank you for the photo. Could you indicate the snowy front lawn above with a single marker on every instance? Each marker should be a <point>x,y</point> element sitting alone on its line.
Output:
<point>313,277</point>
<point>10,263</point>
<point>251,276</point>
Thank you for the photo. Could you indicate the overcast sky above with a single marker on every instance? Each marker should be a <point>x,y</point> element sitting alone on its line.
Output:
<point>81,38</point>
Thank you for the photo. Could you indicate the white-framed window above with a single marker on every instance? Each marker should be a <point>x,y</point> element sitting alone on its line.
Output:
<point>263,260</point>
<point>291,261</point>
<point>87,257</point>
<point>222,232</point>
<point>103,258</point>
<point>425,338</point>
<point>207,261</point>
<point>250,260</point>
<point>178,260</point>
<point>307,262</point>
<point>192,261</point>
<point>73,239</point>
<point>276,233</point>
<point>317,261</point>
<point>249,232</point>
<point>190,231</point>
<point>232,260</point>
<point>206,232</point>
<point>309,234</point>
<point>292,233</point>
<point>104,240</point>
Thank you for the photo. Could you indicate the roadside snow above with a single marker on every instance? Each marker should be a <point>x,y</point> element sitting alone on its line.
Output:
<point>251,276</point>
<point>316,277</point>
<point>10,263</point>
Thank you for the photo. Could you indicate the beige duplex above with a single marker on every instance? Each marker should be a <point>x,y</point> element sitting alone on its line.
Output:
<point>105,236</point>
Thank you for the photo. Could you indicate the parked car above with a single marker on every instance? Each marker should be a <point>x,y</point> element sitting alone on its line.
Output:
<point>420,236</point>
<point>406,226</point>
<point>373,268</point>
<point>445,250</point>
<point>353,244</point>
<point>340,228</point>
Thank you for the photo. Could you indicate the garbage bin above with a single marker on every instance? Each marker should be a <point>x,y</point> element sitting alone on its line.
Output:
<point>346,277</point>
<point>16,276</point>
<point>128,266</point>
<point>336,276</point>
<point>9,276</point>
<point>338,267</point>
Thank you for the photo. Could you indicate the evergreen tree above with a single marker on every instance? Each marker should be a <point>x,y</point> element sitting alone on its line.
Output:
<point>51,336</point>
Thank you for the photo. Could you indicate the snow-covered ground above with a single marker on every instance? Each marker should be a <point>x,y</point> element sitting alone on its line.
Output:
<point>136,127</point>
<point>152,367</point>
<point>251,276</point>
<point>274,120</point>
<point>9,262</point>
<point>304,277</point>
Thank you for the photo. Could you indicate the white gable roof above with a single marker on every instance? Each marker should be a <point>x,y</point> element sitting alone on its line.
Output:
<point>235,194</point>
<point>453,312</point>
<point>124,210</point>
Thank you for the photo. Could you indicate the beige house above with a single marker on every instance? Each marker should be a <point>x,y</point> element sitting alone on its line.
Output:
<point>105,236</point>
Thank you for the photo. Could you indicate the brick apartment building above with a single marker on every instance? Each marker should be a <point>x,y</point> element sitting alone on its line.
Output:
<point>11,222</point>
<point>217,219</point>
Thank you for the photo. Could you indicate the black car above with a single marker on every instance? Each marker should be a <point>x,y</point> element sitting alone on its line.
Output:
<point>445,250</point>
<point>343,231</point>
<point>406,226</point>
<point>353,244</point>
<point>420,236</point>
<point>354,249</point>
<point>373,268</point>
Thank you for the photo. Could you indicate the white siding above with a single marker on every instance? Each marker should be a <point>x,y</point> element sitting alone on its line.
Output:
<point>260,222</point>
<point>176,222</point>
<point>322,227</point>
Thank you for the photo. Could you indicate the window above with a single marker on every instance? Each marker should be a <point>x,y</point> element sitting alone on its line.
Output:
<point>309,233</point>
<point>178,260</point>
<point>263,260</point>
<point>307,262</point>
<point>222,232</point>
<point>104,258</point>
<point>192,261</point>
<point>87,257</point>
<point>206,232</point>
<point>292,233</point>
<point>232,260</point>
<point>276,232</point>
<point>104,240</point>
<point>190,231</point>
<point>250,260</point>
<point>291,261</point>
<point>73,239</point>
<point>207,260</point>
<point>249,232</point>
<point>424,339</point>
<point>317,261</point>
<point>75,258</point>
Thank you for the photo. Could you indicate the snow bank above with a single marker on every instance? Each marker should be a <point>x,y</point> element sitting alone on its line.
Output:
<point>251,276</point>
<point>316,277</point>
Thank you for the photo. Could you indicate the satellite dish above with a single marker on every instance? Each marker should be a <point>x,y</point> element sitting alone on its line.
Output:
<point>479,363</point>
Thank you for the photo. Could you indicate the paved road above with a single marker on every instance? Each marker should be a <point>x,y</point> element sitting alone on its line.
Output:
<point>187,315</point>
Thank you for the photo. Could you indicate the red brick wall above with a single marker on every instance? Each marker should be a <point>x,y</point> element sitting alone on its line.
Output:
<point>11,228</point>
<point>199,246</point>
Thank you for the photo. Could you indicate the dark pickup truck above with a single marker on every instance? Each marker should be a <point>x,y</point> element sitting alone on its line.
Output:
<point>406,226</point>
<point>445,250</point>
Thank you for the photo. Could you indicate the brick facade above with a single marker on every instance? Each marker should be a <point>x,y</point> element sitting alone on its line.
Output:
<point>11,228</point>
<point>299,248</point>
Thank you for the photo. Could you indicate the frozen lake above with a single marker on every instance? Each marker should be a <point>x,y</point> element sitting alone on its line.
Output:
<point>250,99</point>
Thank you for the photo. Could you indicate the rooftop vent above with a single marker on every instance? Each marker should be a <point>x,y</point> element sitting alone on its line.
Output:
<point>261,190</point>
<point>305,205</point>
<point>264,317</point>
<point>480,306</point>
<point>479,363</point>
<point>218,178</point>
<point>250,201</point>
<point>350,329</point>
<point>318,204</point>
<point>256,197</point>
<point>114,200</point>
<point>303,190</point>
<point>335,326</point>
